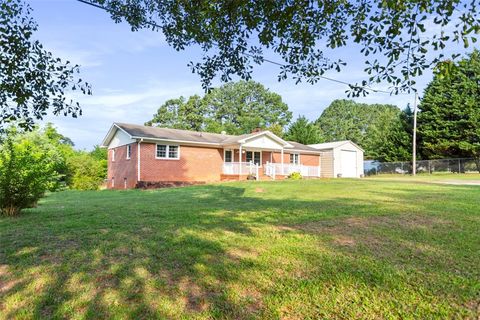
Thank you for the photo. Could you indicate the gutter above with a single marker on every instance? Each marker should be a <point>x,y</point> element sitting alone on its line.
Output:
<point>138,159</point>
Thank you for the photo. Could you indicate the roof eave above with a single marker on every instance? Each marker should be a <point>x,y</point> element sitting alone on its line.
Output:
<point>271,135</point>
<point>178,141</point>
<point>111,133</point>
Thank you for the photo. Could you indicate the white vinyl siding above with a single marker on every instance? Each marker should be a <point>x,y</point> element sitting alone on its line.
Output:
<point>165,151</point>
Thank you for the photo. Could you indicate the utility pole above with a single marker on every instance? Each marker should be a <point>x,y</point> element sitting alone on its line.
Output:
<point>414,153</point>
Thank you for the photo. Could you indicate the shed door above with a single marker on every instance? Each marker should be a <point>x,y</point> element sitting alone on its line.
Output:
<point>348,163</point>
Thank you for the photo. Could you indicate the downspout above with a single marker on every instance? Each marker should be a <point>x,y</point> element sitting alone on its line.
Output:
<point>138,160</point>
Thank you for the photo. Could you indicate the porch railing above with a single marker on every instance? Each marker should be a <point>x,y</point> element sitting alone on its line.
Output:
<point>274,169</point>
<point>237,168</point>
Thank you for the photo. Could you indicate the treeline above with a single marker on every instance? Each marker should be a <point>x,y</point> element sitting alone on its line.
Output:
<point>448,119</point>
<point>32,163</point>
<point>384,131</point>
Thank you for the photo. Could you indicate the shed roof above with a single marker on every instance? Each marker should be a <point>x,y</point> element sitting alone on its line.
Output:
<point>333,145</point>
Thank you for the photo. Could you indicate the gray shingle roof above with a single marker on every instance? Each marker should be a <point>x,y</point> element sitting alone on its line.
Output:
<point>299,146</point>
<point>173,134</point>
<point>139,131</point>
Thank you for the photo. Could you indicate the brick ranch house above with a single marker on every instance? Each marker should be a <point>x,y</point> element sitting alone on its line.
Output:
<point>141,156</point>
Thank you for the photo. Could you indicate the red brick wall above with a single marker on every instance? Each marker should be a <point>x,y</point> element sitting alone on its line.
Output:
<point>122,167</point>
<point>310,159</point>
<point>196,164</point>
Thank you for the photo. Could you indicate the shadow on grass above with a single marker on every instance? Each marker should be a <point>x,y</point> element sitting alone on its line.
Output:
<point>218,251</point>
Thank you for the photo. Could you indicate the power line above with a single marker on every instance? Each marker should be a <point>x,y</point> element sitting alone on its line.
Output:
<point>250,55</point>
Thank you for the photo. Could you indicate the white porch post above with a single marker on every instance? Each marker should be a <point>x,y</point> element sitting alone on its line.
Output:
<point>240,161</point>
<point>319,165</point>
<point>283,171</point>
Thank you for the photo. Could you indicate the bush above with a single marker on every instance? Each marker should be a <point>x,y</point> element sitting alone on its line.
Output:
<point>295,176</point>
<point>88,173</point>
<point>26,173</point>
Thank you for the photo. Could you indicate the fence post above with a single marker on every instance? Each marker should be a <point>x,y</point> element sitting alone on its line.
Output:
<point>458,165</point>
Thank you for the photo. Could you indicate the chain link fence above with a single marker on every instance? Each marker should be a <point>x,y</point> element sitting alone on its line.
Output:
<point>455,165</point>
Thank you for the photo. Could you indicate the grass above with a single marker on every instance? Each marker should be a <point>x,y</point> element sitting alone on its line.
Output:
<point>435,177</point>
<point>333,249</point>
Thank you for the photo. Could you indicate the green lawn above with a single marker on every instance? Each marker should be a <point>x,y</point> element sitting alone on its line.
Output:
<point>435,177</point>
<point>332,249</point>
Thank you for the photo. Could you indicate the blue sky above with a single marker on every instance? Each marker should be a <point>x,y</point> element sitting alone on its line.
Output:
<point>133,73</point>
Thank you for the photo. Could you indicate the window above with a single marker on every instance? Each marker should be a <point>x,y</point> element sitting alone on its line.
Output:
<point>113,154</point>
<point>161,151</point>
<point>129,151</point>
<point>173,152</point>
<point>294,158</point>
<point>167,152</point>
<point>228,156</point>
<point>254,156</point>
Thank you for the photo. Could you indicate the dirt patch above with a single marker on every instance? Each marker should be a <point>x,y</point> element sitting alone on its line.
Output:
<point>194,297</point>
<point>259,190</point>
<point>146,229</point>
<point>241,254</point>
<point>344,241</point>
<point>6,284</point>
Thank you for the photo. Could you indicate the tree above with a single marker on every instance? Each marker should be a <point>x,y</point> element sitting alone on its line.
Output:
<point>276,129</point>
<point>449,117</point>
<point>303,131</point>
<point>87,172</point>
<point>181,114</point>
<point>101,155</point>
<point>240,107</point>
<point>32,80</point>
<point>378,129</point>
<point>400,38</point>
<point>27,171</point>
<point>236,108</point>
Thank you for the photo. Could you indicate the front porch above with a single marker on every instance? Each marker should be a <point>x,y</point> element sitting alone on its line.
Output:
<point>266,156</point>
<point>233,171</point>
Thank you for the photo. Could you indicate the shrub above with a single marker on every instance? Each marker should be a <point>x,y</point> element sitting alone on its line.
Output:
<point>88,173</point>
<point>26,173</point>
<point>295,176</point>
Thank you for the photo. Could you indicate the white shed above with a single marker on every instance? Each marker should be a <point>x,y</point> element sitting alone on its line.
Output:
<point>340,159</point>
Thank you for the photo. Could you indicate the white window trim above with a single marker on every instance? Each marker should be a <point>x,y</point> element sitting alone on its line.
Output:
<point>224,157</point>
<point>167,151</point>
<point>113,155</point>
<point>298,158</point>
<point>129,151</point>
<point>253,155</point>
